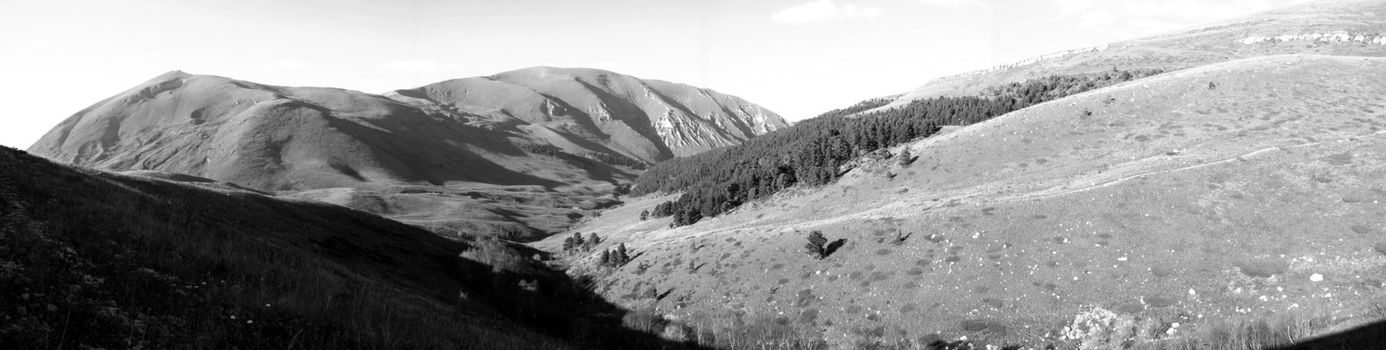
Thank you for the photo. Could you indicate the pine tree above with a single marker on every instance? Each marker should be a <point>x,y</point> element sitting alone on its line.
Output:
<point>577,239</point>
<point>606,258</point>
<point>568,244</point>
<point>644,214</point>
<point>815,244</point>
<point>621,254</point>
<point>906,157</point>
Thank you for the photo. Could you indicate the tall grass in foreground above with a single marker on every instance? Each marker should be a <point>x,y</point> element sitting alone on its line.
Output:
<point>95,260</point>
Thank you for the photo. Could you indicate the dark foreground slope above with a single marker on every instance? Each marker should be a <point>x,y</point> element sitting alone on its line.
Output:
<point>93,259</point>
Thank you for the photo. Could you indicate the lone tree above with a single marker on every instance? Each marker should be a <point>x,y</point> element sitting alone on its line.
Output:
<point>815,246</point>
<point>644,214</point>
<point>621,254</point>
<point>906,157</point>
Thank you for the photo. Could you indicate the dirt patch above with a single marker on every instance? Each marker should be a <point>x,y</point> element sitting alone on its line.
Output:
<point>1129,307</point>
<point>1263,268</point>
<point>1158,301</point>
<point>1339,159</point>
<point>1161,270</point>
<point>992,302</point>
<point>981,325</point>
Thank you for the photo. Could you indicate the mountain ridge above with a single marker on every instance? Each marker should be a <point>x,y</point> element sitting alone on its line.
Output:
<point>485,128</point>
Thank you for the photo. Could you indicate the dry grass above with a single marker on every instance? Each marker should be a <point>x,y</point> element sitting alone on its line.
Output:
<point>1165,188</point>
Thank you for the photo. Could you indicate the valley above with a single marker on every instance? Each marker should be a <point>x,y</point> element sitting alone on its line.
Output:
<point>1218,187</point>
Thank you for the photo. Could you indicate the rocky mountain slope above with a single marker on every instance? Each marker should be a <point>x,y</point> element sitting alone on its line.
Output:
<point>1166,205</point>
<point>521,127</point>
<point>543,133</point>
<point>1328,27</point>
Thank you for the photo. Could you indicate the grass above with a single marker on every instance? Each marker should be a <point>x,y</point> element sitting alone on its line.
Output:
<point>96,260</point>
<point>100,260</point>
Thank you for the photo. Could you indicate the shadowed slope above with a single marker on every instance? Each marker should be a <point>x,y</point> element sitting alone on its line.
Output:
<point>97,260</point>
<point>104,260</point>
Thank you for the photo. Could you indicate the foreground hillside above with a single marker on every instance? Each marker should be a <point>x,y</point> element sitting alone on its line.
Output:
<point>1328,27</point>
<point>98,260</point>
<point>558,136</point>
<point>1153,210</point>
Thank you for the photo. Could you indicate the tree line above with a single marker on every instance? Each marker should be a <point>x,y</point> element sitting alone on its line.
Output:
<point>814,151</point>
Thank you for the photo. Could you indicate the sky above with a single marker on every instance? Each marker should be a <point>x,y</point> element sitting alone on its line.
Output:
<point>796,57</point>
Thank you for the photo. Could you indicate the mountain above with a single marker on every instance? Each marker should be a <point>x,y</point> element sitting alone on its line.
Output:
<point>648,120</point>
<point>555,137</point>
<point>528,127</point>
<point>1204,197</point>
<point>1327,27</point>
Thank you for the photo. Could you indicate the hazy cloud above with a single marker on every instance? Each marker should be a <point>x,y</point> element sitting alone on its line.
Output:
<point>293,63</point>
<point>957,3</point>
<point>1144,17</point>
<point>422,65</point>
<point>825,11</point>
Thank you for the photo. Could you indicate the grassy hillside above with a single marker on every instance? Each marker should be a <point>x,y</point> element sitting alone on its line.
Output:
<point>97,260</point>
<point>1325,27</point>
<point>1212,198</point>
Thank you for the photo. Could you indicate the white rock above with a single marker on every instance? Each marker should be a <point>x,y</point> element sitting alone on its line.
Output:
<point>1316,277</point>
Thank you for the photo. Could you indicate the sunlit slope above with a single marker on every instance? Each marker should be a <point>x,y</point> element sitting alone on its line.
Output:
<point>1202,194</point>
<point>1328,27</point>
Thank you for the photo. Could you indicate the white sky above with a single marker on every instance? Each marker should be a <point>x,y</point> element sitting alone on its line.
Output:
<point>796,57</point>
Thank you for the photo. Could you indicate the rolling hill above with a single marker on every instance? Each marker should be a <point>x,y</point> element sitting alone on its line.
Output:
<point>1163,207</point>
<point>549,135</point>
<point>1327,27</point>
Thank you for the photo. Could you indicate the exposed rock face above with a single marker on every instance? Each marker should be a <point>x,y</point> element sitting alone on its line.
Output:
<point>539,126</point>
<point>649,120</point>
